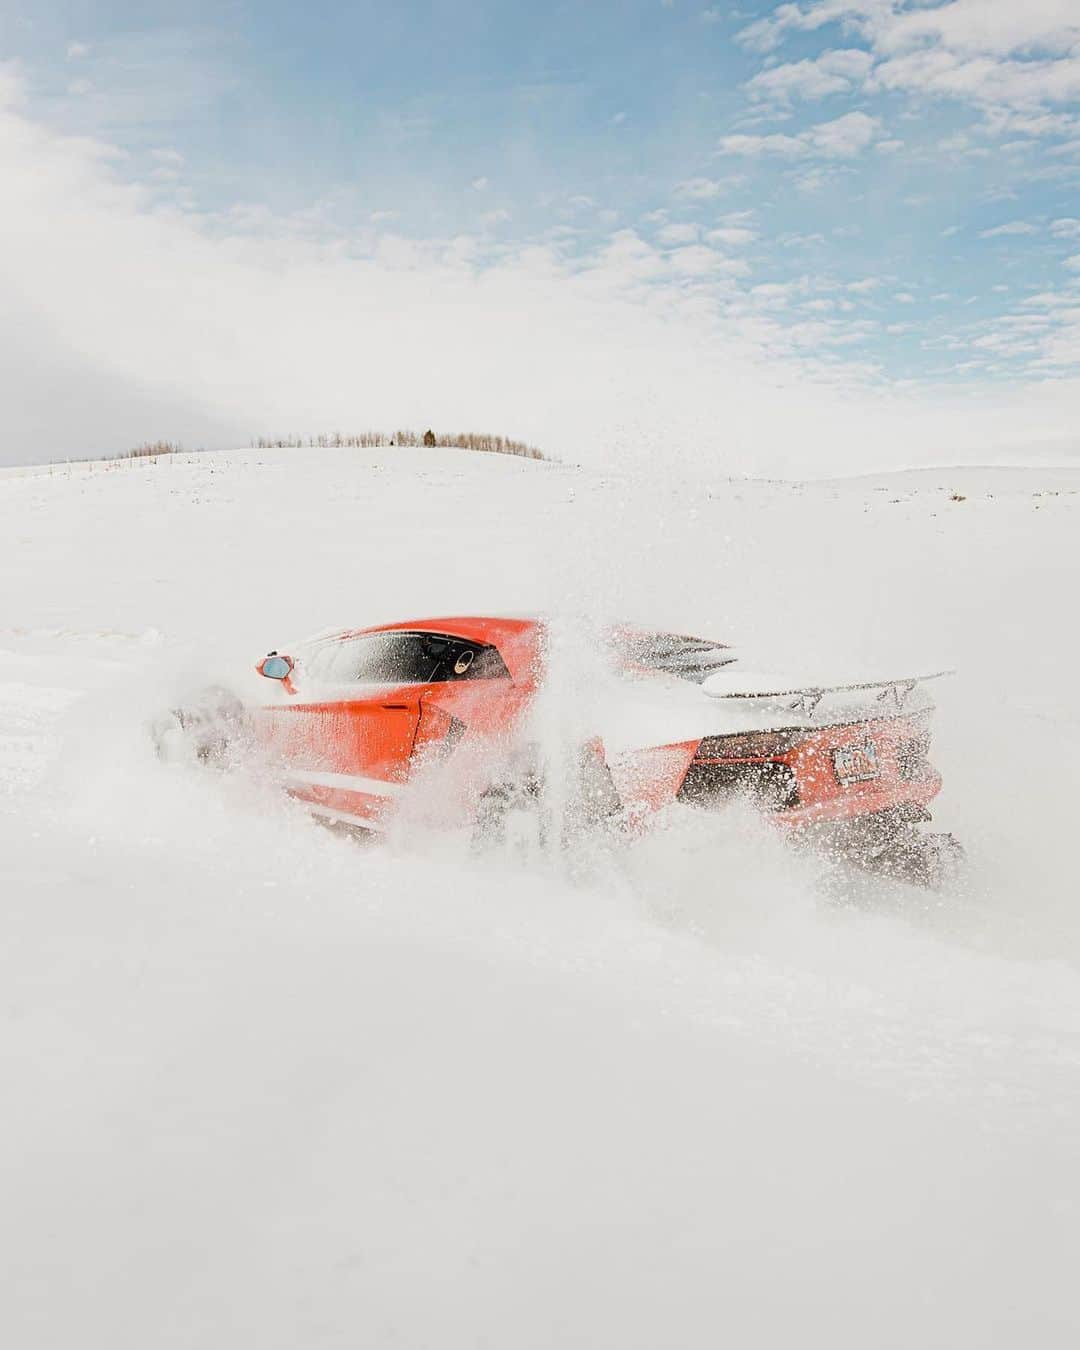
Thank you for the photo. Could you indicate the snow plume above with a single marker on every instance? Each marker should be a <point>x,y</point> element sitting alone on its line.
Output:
<point>216,328</point>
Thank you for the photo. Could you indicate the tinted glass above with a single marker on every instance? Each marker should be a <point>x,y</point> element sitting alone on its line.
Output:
<point>402,658</point>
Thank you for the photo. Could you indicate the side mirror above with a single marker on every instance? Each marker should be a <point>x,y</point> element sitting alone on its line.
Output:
<point>275,667</point>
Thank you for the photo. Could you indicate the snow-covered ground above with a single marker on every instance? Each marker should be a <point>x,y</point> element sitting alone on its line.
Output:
<point>266,1087</point>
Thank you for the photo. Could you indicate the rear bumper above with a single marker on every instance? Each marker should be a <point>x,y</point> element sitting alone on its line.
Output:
<point>866,799</point>
<point>803,785</point>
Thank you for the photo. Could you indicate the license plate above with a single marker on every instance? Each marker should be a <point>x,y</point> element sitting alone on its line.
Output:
<point>856,763</point>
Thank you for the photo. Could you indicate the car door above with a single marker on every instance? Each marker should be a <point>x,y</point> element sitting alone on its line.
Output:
<point>342,742</point>
<point>344,737</point>
<point>348,756</point>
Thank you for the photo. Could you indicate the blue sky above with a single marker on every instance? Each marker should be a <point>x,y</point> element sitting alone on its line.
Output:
<point>874,189</point>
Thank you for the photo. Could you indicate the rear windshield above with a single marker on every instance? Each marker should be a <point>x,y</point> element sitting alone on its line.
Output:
<point>688,658</point>
<point>401,658</point>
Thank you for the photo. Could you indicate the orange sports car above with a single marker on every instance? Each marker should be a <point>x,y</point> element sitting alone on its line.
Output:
<point>472,721</point>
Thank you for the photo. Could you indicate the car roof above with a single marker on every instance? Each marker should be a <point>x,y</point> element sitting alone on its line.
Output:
<point>517,638</point>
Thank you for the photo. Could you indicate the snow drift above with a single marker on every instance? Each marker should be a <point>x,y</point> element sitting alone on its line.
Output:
<point>266,1086</point>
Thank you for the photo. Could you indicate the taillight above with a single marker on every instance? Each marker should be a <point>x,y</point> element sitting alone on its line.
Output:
<point>767,782</point>
<point>744,764</point>
<point>749,745</point>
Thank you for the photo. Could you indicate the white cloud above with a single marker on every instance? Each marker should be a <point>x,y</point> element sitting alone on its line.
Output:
<point>262,323</point>
<point>1073,262</point>
<point>76,50</point>
<point>845,136</point>
<point>733,236</point>
<point>678,234</point>
<point>695,260</point>
<point>776,143</point>
<point>775,293</point>
<point>997,27</point>
<point>1002,121</point>
<point>699,189</point>
<point>1000,54</point>
<point>1010,227</point>
<point>842,138</point>
<point>955,143</point>
<point>801,240</point>
<point>833,72</point>
<point>765,34</point>
<point>980,79</point>
<point>1066,228</point>
<point>479,184</point>
<point>812,180</point>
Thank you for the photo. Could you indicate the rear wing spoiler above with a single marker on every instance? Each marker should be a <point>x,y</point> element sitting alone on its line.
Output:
<point>808,696</point>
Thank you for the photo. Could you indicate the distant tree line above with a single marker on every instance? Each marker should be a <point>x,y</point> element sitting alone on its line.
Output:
<point>154,448</point>
<point>461,440</point>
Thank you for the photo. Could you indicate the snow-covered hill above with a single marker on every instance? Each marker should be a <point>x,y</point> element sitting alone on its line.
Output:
<point>267,1087</point>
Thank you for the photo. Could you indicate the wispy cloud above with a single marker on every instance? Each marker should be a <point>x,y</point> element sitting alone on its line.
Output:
<point>481,204</point>
<point>1013,227</point>
<point>283,328</point>
<point>842,138</point>
<point>700,189</point>
<point>677,234</point>
<point>731,236</point>
<point>833,72</point>
<point>1007,58</point>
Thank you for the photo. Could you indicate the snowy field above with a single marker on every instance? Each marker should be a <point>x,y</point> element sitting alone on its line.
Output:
<point>264,1086</point>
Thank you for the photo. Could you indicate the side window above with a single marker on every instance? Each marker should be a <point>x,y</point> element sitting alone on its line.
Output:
<point>331,662</point>
<point>402,658</point>
<point>472,662</point>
